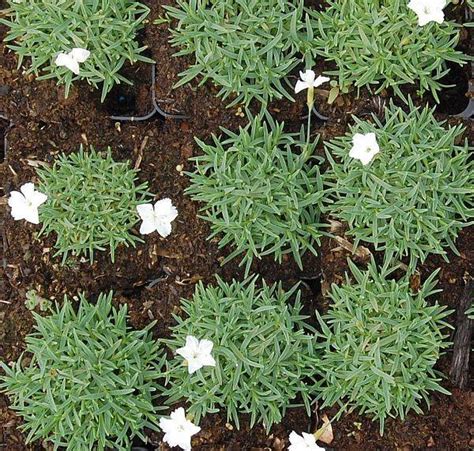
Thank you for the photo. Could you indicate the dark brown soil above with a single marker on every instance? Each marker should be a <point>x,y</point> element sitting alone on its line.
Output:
<point>152,278</point>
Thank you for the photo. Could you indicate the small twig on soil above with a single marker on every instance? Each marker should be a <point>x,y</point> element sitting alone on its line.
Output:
<point>4,259</point>
<point>360,252</point>
<point>314,418</point>
<point>336,226</point>
<point>462,339</point>
<point>140,150</point>
<point>154,102</point>
<point>5,135</point>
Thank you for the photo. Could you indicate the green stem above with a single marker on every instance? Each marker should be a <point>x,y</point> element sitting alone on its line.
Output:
<point>308,137</point>
<point>310,103</point>
<point>306,154</point>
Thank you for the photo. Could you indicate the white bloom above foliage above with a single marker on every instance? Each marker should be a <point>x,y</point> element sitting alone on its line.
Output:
<point>197,353</point>
<point>158,217</point>
<point>304,442</point>
<point>178,430</point>
<point>428,10</point>
<point>309,81</point>
<point>72,59</point>
<point>364,147</point>
<point>25,203</point>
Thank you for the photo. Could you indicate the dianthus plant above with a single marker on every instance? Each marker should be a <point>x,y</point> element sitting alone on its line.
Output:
<point>378,345</point>
<point>90,380</point>
<point>246,47</point>
<point>379,44</point>
<point>259,194</point>
<point>91,205</point>
<point>262,347</point>
<point>42,29</point>
<point>416,194</point>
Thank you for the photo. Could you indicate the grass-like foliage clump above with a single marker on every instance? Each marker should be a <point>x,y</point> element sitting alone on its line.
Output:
<point>92,202</point>
<point>259,192</point>
<point>41,29</point>
<point>246,47</point>
<point>379,44</point>
<point>90,381</point>
<point>262,347</point>
<point>415,195</point>
<point>379,343</point>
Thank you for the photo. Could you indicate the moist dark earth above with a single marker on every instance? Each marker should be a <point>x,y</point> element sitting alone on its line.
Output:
<point>152,277</point>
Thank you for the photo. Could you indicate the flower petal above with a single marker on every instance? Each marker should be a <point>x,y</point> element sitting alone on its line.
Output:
<point>18,204</point>
<point>178,414</point>
<point>296,442</point>
<point>308,76</point>
<point>438,17</point>
<point>371,140</point>
<point>190,348</point>
<point>163,228</point>
<point>192,342</point>
<point>31,215</point>
<point>320,80</point>
<point>192,428</point>
<point>80,55</point>
<point>194,365</point>
<point>309,439</point>
<point>147,227</point>
<point>300,86</point>
<point>165,208</point>
<point>207,360</point>
<point>145,211</point>
<point>428,10</point>
<point>178,430</point>
<point>66,60</point>
<point>61,59</point>
<point>38,199</point>
<point>27,189</point>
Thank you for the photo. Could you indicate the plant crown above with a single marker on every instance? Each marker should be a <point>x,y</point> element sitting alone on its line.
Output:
<point>91,204</point>
<point>379,44</point>
<point>379,343</point>
<point>246,47</point>
<point>262,350</point>
<point>259,194</point>
<point>90,381</point>
<point>415,195</point>
<point>41,29</point>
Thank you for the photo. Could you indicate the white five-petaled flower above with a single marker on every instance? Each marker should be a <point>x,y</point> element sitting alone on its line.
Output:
<point>364,147</point>
<point>304,442</point>
<point>72,59</point>
<point>428,10</point>
<point>178,430</point>
<point>25,204</point>
<point>158,217</point>
<point>197,353</point>
<point>309,81</point>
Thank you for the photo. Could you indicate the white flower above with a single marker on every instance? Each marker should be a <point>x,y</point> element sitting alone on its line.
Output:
<point>157,218</point>
<point>309,81</point>
<point>364,147</point>
<point>428,10</point>
<point>72,59</point>
<point>178,430</point>
<point>306,442</point>
<point>25,204</point>
<point>197,353</point>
